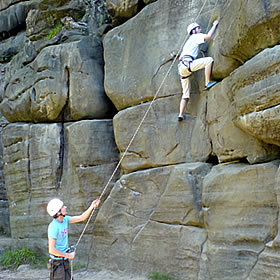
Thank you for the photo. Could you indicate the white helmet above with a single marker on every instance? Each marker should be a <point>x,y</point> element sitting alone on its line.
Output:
<point>54,206</point>
<point>192,26</point>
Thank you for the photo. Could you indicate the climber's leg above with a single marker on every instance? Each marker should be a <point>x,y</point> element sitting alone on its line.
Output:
<point>183,103</point>
<point>185,97</point>
<point>185,83</point>
<point>208,72</point>
<point>205,62</point>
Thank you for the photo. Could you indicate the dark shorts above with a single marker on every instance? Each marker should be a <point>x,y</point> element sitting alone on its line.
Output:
<point>60,270</point>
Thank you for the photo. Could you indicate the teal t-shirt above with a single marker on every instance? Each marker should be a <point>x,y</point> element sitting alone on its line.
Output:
<point>59,231</point>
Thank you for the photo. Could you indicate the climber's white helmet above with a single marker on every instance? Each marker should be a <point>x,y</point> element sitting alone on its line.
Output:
<point>54,206</point>
<point>192,26</point>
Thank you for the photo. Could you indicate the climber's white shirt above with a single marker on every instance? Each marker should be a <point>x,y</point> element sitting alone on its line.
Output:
<point>191,47</point>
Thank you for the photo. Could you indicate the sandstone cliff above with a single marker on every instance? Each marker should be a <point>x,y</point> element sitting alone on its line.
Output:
<point>198,199</point>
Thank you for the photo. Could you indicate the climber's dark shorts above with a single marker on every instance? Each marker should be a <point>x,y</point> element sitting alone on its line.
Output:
<point>60,270</point>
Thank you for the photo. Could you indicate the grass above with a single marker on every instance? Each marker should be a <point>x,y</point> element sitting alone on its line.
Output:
<point>52,33</point>
<point>159,276</point>
<point>12,259</point>
<point>4,59</point>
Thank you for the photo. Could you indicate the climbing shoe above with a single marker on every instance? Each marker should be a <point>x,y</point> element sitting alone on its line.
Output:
<point>181,118</point>
<point>209,85</point>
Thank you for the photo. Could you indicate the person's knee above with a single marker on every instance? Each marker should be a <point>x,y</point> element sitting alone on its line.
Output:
<point>210,60</point>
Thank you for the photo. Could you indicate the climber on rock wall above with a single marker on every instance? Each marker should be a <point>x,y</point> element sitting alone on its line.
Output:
<point>58,237</point>
<point>189,62</point>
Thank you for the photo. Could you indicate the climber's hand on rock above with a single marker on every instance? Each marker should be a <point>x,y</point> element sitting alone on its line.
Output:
<point>216,22</point>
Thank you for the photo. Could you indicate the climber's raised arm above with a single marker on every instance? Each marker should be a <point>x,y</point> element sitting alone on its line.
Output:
<point>211,31</point>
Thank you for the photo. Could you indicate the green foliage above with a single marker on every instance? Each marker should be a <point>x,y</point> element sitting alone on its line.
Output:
<point>159,276</point>
<point>4,233</point>
<point>52,33</point>
<point>4,59</point>
<point>14,258</point>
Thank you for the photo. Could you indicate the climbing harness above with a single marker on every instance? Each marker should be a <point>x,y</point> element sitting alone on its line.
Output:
<point>187,60</point>
<point>136,132</point>
<point>55,262</point>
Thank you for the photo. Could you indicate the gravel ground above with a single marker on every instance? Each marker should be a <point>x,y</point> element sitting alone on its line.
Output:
<point>24,272</point>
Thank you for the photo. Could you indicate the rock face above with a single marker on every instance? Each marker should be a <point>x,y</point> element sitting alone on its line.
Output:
<point>122,9</point>
<point>197,199</point>
<point>42,20</point>
<point>48,89</point>
<point>13,15</point>
<point>257,111</point>
<point>48,160</point>
<point>239,224</point>
<point>257,29</point>
<point>151,147</point>
<point>159,225</point>
<point>4,205</point>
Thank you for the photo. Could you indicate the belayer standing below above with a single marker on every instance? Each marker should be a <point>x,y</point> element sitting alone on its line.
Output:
<point>188,62</point>
<point>58,237</point>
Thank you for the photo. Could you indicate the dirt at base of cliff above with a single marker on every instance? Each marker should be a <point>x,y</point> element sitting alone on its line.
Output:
<point>25,272</point>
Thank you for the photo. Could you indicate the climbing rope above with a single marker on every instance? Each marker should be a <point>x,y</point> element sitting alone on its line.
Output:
<point>138,128</point>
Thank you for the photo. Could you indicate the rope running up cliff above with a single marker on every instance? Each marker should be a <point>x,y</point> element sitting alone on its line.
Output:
<point>141,122</point>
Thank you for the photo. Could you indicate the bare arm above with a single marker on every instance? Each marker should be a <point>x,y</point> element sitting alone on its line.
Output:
<point>85,215</point>
<point>211,31</point>
<point>57,253</point>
